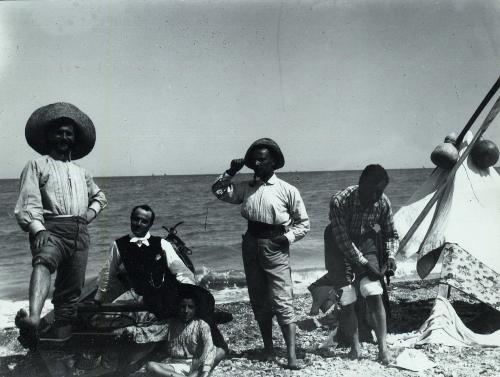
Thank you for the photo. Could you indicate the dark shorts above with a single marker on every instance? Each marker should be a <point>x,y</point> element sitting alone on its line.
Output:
<point>65,252</point>
<point>341,272</point>
<point>68,236</point>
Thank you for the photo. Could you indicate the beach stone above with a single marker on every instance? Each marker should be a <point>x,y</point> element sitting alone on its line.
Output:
<point>465,362</point>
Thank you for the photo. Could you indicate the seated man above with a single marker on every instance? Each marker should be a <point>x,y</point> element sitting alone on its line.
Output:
<point>150,264</point>
<point>188,347</point>
<point>152,268</point>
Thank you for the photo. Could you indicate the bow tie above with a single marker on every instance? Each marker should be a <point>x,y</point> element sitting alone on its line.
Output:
<point>139,241</point>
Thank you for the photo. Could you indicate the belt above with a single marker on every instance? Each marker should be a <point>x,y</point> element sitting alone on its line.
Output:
<point>263,230</point>
<point>65,218</point>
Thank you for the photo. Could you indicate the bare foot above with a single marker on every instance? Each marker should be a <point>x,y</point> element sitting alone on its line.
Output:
<point>28,329</point>
<point>23,321</point>
<point>263,354</point>
<point>267,354</point>
<point>384,357</point>
<point>20,316</point>
<point>354,354</point>
<point>292,364</point>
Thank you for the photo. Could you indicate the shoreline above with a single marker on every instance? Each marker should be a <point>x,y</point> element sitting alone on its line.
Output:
<point>227,286</point>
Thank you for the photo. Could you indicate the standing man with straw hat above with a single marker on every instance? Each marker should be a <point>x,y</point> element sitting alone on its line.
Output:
<point>57,200</point>
<point>276,218</point>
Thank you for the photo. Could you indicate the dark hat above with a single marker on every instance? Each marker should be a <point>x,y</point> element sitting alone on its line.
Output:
<point>273,147</point>
<point>36,128</point>
<point>205,302</point>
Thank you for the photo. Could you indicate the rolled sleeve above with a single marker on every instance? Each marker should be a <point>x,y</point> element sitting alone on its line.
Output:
<point>224,189</point>
<point>176,265</point>
<point>390,233</point>
<point>29,208</point>
<point>108,277</point>
<point>207,357</point>
<point>290,236</point>
<point>35,226</point>
<point>392,247</point>
<point>97,199</point>
<point>341,235</point>
<point>300,224</point>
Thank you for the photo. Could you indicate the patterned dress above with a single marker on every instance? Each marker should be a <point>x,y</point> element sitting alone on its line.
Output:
<point>189,345</point>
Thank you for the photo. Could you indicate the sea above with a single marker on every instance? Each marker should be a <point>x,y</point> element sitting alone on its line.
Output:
<point>212,229</point>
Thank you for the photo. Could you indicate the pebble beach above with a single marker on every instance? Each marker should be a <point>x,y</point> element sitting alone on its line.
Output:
<point>410,301</point>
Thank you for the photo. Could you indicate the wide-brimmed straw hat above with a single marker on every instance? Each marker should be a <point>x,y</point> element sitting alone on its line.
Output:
<point>205,302</point>
<point>273,148</point>
<point>40,120</point>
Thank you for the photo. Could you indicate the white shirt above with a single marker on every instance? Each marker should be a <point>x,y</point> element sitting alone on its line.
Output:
<point>108,276</point>
<point>273,202</point>
<point>53,187</point>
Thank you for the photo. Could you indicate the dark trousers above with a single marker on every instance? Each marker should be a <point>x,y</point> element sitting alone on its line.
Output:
<point>65,253</point>
<point>340,271</point>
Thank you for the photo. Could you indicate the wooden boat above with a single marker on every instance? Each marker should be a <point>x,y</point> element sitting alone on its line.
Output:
<point>92,351</point>
<point>101,351</point>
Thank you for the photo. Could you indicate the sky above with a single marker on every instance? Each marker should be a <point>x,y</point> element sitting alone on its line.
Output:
<point>183,87</point>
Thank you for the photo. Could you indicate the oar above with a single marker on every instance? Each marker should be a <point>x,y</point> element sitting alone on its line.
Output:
<point>491,115</point>
<point>478,111</point>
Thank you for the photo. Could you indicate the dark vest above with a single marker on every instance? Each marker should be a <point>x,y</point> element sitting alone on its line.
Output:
<point>146,266</point>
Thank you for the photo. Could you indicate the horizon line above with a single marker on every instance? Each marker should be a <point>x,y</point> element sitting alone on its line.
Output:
<point>497,167</point>
<point>218,173</point>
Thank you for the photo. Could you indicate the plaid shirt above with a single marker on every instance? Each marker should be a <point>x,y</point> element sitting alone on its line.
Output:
<point>350,220</point>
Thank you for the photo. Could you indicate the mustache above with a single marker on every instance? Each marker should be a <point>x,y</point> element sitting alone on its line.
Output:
<point>60,141</point>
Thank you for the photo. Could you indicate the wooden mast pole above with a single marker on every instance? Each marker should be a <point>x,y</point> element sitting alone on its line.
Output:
<point>486,123</point>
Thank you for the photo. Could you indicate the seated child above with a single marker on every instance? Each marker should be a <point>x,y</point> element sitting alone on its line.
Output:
<point>188,347</point>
